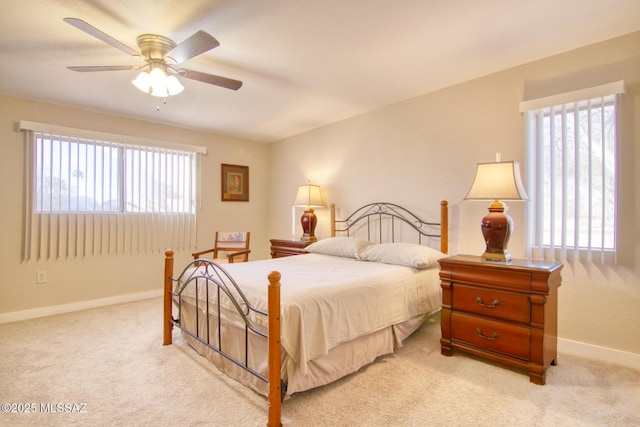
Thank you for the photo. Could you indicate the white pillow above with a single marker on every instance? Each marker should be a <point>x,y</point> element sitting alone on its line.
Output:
<point>408,254</point>
<point>338,246</point>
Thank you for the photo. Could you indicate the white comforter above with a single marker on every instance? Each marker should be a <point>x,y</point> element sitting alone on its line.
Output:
<point>329,300</point>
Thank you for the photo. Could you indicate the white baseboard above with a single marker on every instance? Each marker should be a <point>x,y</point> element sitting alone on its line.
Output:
<point>619,357</point>
<point>15,316</point>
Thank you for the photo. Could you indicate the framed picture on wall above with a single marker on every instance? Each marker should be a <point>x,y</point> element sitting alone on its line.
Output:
<point>235,183</point>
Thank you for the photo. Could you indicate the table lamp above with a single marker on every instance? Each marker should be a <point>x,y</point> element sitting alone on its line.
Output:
<point>310,197</point>
<point>497,181</point>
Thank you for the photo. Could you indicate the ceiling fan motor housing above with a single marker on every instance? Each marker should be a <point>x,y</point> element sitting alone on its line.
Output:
<point>154,47</point>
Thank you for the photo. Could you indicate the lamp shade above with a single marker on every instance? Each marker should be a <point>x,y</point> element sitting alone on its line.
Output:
<point>174,86</point>
<point>497,181</point>
<point>309,195</point>
<point>143,82</point>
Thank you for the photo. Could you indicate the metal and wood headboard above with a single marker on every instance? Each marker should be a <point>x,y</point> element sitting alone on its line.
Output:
<point>379,218</point>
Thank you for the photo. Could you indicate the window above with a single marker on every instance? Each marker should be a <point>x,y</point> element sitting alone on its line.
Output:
<point>79,175</point>
<point>572,174</point>
<point>106,194</point>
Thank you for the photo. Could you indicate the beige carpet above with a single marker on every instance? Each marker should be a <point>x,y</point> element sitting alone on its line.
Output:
<point>110,364</point>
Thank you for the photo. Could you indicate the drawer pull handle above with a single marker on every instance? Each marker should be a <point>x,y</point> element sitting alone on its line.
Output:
<point>492,305</point>
<point>491,338</point>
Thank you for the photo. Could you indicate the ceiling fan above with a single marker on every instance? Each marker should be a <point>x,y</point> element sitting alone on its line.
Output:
<point>162,56</point>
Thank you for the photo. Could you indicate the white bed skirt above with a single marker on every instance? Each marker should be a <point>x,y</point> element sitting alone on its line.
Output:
<point>341,360</point>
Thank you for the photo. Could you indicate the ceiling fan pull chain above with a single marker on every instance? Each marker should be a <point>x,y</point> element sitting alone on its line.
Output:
<point>164,101</point>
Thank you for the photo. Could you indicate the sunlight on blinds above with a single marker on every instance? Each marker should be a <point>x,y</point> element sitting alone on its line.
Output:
<point>91,197</point>
<point>572,174</point>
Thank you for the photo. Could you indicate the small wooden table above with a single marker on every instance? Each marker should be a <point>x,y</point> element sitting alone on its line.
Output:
<point>504,311</point>
<point>283,247</point>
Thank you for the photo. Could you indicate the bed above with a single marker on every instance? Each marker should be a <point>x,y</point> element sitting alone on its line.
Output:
<point>354,297</point>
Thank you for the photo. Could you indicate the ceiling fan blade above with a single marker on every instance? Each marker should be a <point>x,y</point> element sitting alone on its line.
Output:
<point>83,69</point>
<point>211,79</point>
<point>93,31</point>
<point>198,43</point>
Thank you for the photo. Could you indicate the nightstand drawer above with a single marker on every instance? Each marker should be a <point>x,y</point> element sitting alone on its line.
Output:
<point>488,275</point>
<point>491,335</point>
<point>487,302</point>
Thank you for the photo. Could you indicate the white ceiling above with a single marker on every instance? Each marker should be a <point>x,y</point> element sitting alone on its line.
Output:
<point>304,63</point>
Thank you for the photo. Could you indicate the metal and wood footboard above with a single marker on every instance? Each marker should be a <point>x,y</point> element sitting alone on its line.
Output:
<point>368,218</point>
<point>215,283</point>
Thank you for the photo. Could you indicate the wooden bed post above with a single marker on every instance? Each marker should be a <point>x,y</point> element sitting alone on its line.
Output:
<point>275,396</point>
<point>444,227</point>
<point>332,218</point>
<point>168,272</point>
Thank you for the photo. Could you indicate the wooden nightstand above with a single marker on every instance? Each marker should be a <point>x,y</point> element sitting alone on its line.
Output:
<point>282,247</point>
<point>507,312</point>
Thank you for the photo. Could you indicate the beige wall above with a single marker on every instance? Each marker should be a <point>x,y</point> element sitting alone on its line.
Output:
<point>81,279</point>
<point>425,149</point>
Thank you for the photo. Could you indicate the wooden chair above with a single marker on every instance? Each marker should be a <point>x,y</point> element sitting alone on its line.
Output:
<point>234,245</point>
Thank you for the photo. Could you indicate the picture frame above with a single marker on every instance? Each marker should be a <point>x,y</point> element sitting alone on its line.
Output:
<point>235,183</point>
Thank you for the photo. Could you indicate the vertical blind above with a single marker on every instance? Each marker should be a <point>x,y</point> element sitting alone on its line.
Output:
<point>572,163</point>
<point>105,194</point>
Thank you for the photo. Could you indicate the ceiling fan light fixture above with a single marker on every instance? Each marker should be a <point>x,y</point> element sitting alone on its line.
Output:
<point>159,91</point>
<point>157,76</point>
<point>143,82</point>
<point>174,86</point>
<point>157,83</point>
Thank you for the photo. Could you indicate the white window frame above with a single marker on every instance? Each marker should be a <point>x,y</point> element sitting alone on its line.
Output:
<point>64,226</point>
<point>566,239</point>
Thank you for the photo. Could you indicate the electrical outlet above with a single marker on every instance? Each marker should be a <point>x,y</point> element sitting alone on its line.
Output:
<point>41,277</point>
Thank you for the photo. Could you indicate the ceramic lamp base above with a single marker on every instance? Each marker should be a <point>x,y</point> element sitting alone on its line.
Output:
<point>496,227</point>
<point>308,221</point>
